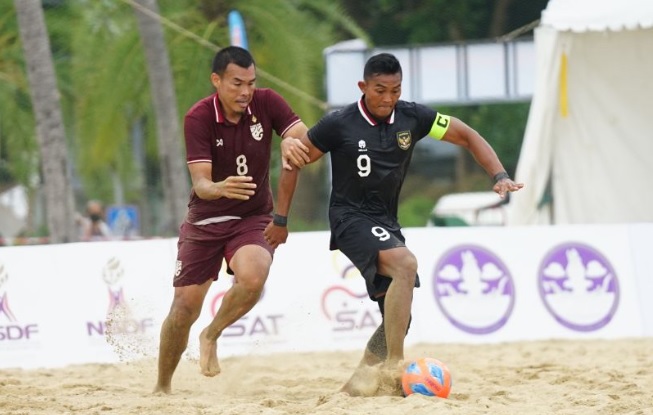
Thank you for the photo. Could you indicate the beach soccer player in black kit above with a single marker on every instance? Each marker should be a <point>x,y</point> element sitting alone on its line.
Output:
<point>371,143</point>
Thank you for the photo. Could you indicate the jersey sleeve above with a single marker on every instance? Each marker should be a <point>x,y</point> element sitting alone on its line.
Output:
<point>322,134</point>
<point>197,134</point>
<point>282,116</point>
<point>426,116</point>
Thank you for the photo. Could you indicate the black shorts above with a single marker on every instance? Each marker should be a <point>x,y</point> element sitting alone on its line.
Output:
<point>361,239</point>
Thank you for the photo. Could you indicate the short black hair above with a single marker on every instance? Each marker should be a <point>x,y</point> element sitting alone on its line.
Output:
<point>231,54</point>
<point>381,64</point>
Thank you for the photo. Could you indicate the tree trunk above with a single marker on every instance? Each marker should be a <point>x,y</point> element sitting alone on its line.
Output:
<point>499,18</point>
<point>60,208</point>
<point>175,180</point>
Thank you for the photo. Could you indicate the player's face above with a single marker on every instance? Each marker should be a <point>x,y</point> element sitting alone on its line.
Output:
<point>235,88</point>
<point>381,94</point>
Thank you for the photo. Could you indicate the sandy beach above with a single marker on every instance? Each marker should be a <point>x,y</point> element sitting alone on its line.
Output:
<point>540,377</point>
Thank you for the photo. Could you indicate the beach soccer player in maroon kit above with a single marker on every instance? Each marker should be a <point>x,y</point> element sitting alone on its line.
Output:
<point>228,144</point>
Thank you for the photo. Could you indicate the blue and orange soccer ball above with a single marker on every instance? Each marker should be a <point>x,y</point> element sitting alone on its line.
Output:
<point>426,376</point>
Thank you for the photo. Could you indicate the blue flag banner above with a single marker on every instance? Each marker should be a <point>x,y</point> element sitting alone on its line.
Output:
<point>237,34</point>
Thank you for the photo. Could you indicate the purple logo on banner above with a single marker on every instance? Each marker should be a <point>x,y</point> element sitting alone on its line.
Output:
<point>578,287</point>
<point>474,289</point>
<point>11,332</point>
<point>4,308</point>
<point>120,319</point>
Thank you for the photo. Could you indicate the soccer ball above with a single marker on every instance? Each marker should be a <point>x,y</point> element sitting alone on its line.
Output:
<point>426,376</point>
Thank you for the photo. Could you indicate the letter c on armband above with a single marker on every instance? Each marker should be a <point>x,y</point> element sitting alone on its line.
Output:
<point>440,126</point>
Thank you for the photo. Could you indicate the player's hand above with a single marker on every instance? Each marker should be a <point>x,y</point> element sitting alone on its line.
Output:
<point>275,235</point>
<point>293,152</point>
<point>503,186</point>
<point>236,187</point>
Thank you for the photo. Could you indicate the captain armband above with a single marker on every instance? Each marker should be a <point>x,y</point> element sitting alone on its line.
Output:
<point>440,126</point>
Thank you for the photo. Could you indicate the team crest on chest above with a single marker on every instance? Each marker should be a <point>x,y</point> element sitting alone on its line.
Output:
<point>256,130</point>
<point>404,139</point>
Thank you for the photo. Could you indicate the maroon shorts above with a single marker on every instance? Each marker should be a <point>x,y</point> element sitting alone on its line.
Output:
<point>201,249</point>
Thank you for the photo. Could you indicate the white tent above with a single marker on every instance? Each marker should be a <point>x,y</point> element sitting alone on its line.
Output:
<point>587,155</point>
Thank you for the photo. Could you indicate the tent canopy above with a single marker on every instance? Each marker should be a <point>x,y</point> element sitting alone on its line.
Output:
<point>587,154</point>
<point>598,15</point>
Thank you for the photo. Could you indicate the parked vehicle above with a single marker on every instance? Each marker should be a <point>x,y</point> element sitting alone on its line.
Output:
<point>469,209</point>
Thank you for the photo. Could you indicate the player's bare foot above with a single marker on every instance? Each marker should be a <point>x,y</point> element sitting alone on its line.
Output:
<point>209,365</point>
<point>389,376</point>
<point>162,390</point>
<point>364,382</point>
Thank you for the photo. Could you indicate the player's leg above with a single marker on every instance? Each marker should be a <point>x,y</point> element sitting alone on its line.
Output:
<point>362,241</point>
<point>184,311</point>
<point>365,381</point>
<point>199,257</point>
<point>251,265</point>
<point>249,257</point>
<point>400,265</point>
<point>376,350</point>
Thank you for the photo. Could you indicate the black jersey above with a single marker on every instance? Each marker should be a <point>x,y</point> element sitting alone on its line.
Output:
<point>369,159</point>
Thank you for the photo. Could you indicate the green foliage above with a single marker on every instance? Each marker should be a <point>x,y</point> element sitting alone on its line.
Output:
<point>393,22</point>
<point>502,125</point>
<point>414,212</point>
<point>107,105</point>
<point>110,78</point>
<point>18,146</point>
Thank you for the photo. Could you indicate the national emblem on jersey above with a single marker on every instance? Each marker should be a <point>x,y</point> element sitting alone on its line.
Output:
<point>404,139</point>
<point>257,131</point>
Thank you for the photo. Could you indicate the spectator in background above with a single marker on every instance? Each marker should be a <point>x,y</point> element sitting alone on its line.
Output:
<point>93,225</point>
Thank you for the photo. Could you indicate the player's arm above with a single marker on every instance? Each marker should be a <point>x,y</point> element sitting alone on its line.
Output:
<point>293,152</point>
<point>233,187</point>
<point>455,131</point>
<point>288,178</point>
<point>276,232</point>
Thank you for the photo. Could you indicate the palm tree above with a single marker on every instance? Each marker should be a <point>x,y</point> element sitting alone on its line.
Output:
<point>58,193</point>
<point>173,170</point>
<point>108,97</point>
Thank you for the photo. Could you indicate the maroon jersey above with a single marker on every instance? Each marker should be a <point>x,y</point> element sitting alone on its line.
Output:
<point>241,149</point>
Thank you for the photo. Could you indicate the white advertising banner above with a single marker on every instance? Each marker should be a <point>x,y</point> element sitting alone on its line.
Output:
<point>484,284</point>
<point>641,245</point>
<point>105,301</point>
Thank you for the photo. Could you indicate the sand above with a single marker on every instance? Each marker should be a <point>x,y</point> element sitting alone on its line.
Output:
<point>543,377</point>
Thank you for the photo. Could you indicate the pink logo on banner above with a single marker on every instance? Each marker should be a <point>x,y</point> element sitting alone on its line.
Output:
<point>4,308</point>
<point>119,318</point>
<point>251,324</point>
<point>116,299</point>
<point>349,310</point>
<point>15,331</point>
